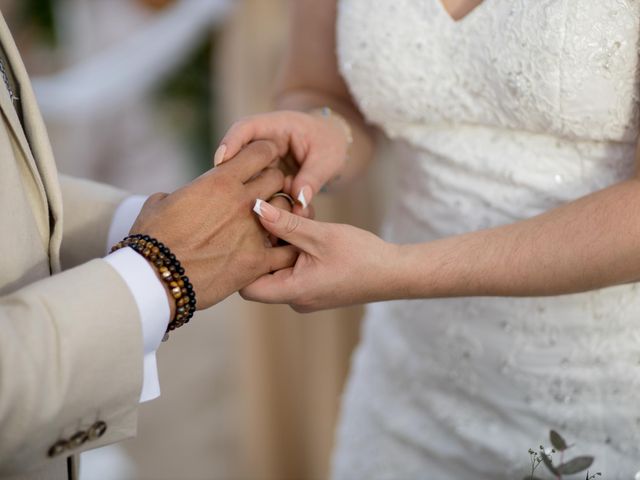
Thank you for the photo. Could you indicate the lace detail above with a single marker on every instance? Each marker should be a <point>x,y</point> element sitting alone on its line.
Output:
<point>562,68</point>
<point>519,107</point>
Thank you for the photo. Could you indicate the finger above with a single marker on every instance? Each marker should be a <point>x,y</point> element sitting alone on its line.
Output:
<point>270,288</point>
<point>288,181</point>
<point>267,183</point>
<point>308,212</point>
<point>284,204</point>
<point>270,126</point>
<point>251,160</point>
<point>281,257</point>
<point>281,203</point>
<point>314,174</point>
<point>296,230</point>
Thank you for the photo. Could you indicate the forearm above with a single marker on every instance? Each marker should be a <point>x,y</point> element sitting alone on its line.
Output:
<point>590,243</point>
<point>70,355</point>
<point>361,150</point>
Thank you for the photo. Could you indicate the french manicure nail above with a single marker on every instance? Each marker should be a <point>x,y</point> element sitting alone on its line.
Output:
<point>266,211</point>
<point>302,198</point>
<point>218,157</point>
<point>258,207</point>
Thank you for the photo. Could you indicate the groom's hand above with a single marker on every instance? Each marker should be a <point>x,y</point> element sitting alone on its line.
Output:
<point>210,227</point>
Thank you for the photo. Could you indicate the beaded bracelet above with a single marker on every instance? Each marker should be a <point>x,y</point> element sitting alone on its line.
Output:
<point>171,272</point>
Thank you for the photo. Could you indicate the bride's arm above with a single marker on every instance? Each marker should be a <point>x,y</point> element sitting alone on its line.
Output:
<point>590,243</point>
<point>326,146</point>
<point>310,78</point>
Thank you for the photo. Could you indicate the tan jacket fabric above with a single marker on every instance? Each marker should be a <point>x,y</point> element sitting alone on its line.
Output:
<point>71,342</point>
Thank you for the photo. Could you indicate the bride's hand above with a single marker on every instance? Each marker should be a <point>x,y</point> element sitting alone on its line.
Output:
<point>318,143</point>
<point>338,265</point>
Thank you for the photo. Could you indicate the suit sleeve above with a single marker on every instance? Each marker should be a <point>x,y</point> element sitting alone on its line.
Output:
<point>88,210</point>
<point>70,366</point>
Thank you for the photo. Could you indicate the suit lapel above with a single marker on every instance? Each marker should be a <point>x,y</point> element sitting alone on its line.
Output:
<point>11,117</point>
<point>34,142</point>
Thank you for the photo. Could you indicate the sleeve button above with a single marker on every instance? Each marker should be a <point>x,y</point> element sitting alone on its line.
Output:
<point>97,430</point>
<point>57,448</point>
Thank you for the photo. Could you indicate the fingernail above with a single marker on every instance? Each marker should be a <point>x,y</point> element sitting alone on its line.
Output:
<point>266,211</point>
<point>218,157</point>
<point>304,196</point>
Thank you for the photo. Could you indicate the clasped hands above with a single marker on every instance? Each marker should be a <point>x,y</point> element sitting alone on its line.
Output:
<point>224,246</point>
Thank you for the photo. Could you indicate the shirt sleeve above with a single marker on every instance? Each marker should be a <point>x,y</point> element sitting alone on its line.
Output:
<point>146,288</point>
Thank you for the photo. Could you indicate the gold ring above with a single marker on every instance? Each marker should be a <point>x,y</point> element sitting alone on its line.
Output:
<point>286,196</point>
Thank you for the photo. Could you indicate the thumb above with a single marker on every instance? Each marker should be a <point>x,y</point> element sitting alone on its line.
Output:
<point>298,231</point>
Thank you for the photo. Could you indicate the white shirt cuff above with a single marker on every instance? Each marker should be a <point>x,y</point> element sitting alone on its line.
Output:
<point>153,306</point>
<point>147,290</point>
<point>123,219</point>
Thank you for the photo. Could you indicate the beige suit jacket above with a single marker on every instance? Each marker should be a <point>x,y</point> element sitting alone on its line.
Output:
<point>70,342</point>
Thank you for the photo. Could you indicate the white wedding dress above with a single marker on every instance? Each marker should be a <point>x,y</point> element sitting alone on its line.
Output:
<point>521,106</point>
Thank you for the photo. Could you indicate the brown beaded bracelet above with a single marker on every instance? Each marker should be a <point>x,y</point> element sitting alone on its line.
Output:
<point>171,272</point>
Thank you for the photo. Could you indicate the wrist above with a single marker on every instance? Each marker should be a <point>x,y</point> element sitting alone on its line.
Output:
<point>388,276</point>
<point>411,272</point>
<point>438,269</point>
<point>342,132</point>
<point>170,272</point>
<point>338,120</point>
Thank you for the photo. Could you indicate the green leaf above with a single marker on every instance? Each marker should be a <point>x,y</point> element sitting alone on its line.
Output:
<point>575,465</point>
<point>547,463</point>
<point>557,441</point>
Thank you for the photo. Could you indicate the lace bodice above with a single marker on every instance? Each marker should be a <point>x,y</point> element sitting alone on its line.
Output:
<point>562,68</point>
<point>519,107</point>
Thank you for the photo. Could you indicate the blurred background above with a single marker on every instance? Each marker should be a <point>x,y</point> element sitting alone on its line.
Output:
<point>137,93</point>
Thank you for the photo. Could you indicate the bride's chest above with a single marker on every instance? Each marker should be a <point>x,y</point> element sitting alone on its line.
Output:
<point>564,67</point>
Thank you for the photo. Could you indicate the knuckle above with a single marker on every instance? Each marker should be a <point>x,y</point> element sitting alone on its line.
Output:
<point>292,223</point>
<point>264,148</point>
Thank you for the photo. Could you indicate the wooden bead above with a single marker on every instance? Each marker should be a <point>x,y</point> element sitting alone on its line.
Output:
<point>171,272</point>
